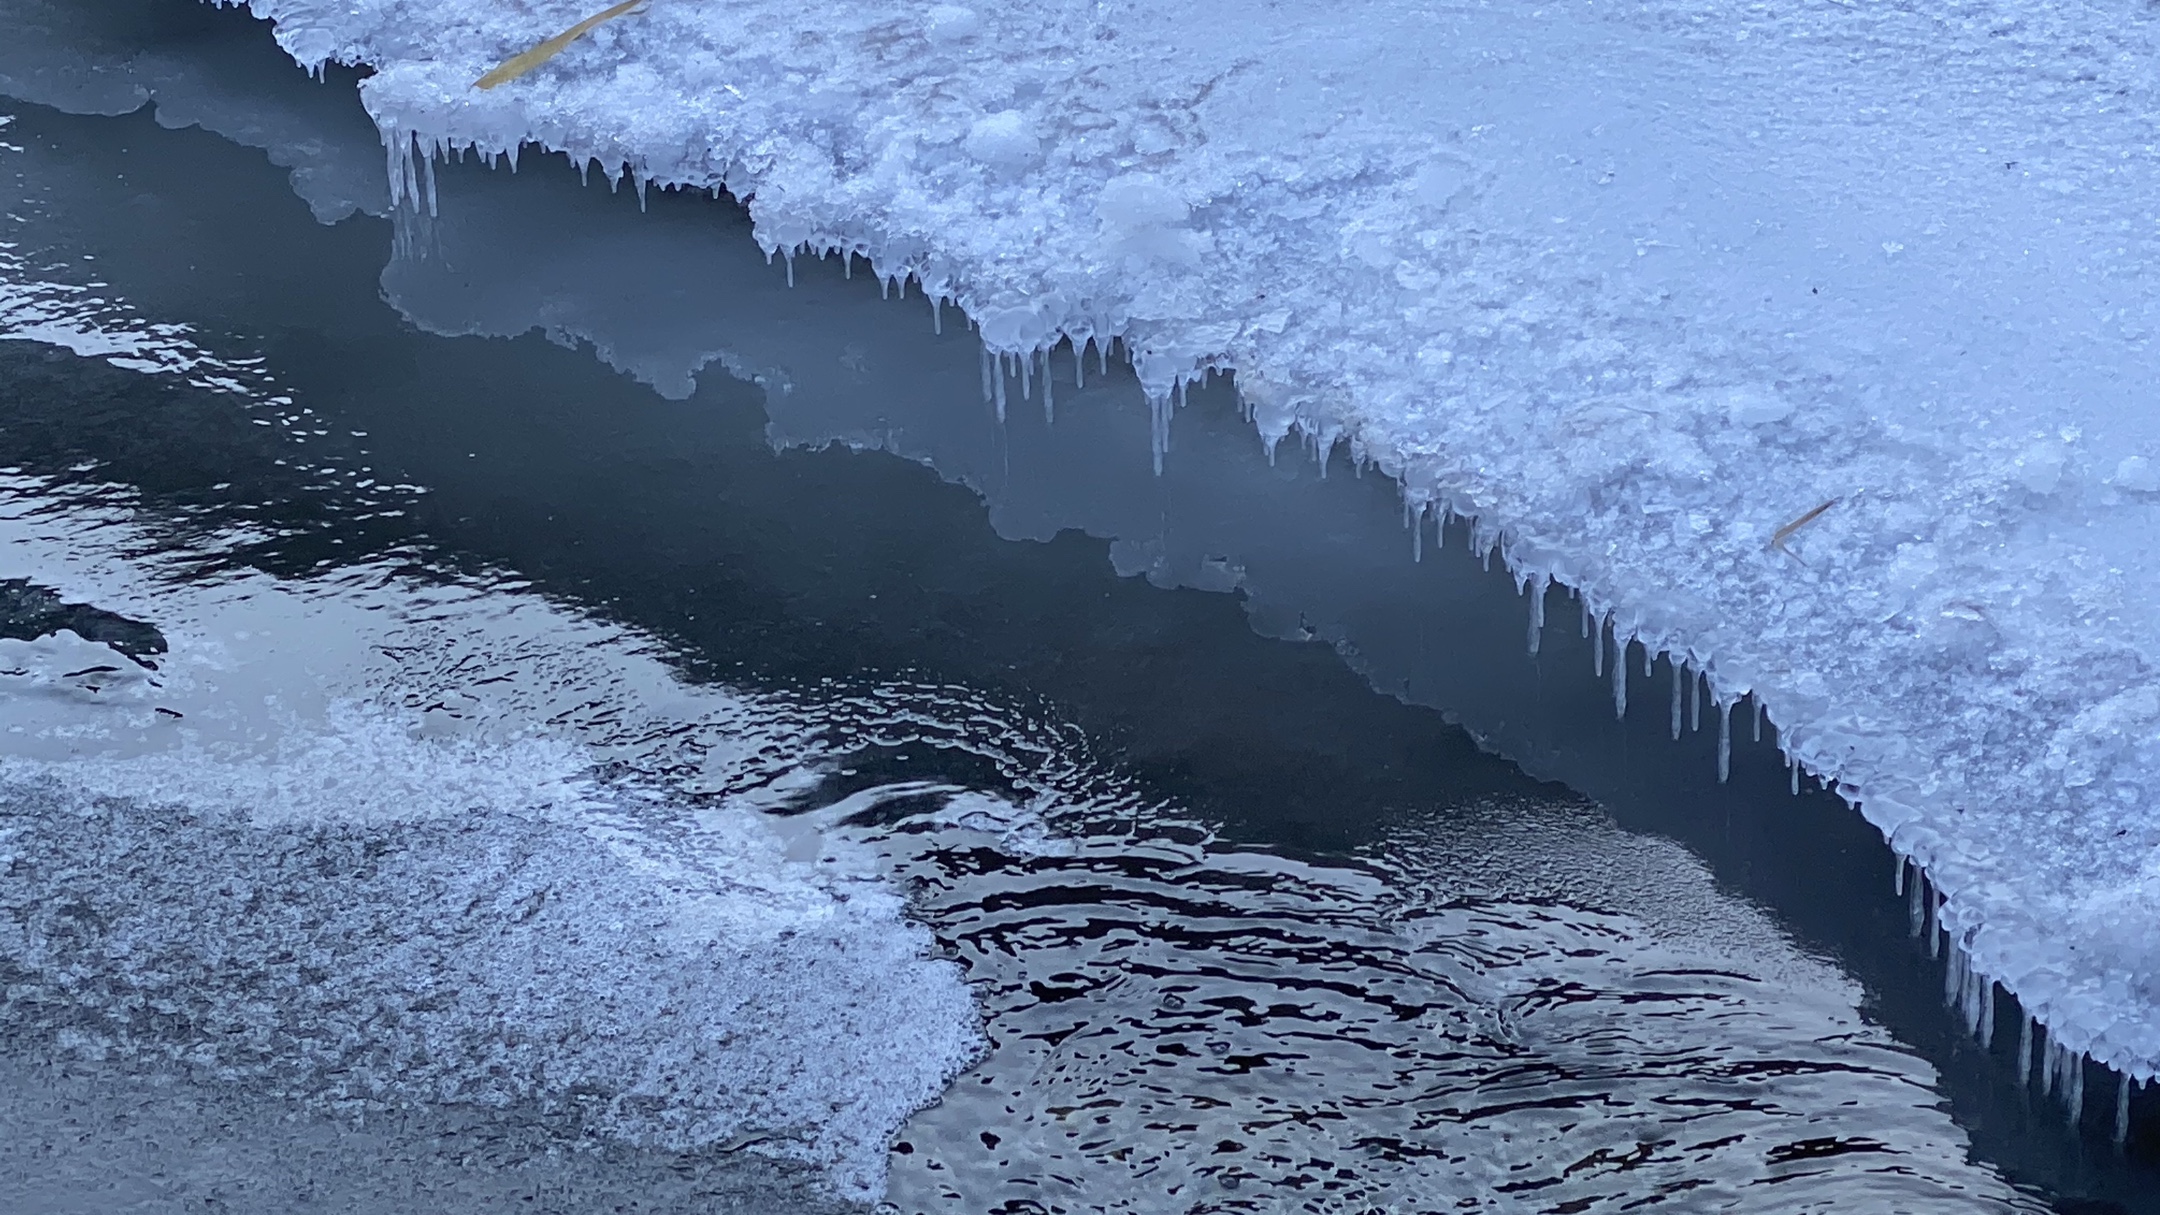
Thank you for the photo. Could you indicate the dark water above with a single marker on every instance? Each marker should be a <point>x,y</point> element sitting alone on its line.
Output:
<point>1247,935</point>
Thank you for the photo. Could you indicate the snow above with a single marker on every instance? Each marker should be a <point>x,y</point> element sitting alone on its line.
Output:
<point>1636,286</point>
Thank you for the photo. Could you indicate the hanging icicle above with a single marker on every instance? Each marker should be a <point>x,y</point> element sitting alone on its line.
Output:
<point>2122,1110</point>
<point>1676,693</point>
<point>1537,584</point>
<point>1987,1014</point>
<point>1724,742</point>
<point>1619,681</point>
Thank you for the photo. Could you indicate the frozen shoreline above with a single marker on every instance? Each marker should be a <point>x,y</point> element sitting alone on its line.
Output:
<point>1635,293</point>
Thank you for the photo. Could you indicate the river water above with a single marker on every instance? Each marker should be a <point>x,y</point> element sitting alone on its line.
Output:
<point>527,707</point>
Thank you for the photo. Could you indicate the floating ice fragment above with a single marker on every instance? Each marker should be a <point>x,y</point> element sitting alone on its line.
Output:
<point>2137,474</point>
<point>1005,140</point>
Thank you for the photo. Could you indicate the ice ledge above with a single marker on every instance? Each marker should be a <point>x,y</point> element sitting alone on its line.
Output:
<point>1637,291</point>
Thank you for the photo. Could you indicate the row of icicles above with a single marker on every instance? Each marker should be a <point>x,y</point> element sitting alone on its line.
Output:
<point>2062,1071</point>
<point>1965,990</point>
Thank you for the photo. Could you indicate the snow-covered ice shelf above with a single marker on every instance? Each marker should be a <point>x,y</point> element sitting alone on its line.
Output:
<point>1635,285</point>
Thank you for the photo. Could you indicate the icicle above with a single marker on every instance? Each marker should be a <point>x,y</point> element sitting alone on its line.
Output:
<point>1080,364</point>
<point>1049,397</point>
<point>1897,877</point>
<point>997,382</point>
<point>988,387</point>
<point>1597,643</point>
<point>1793,761</point>
<point>1694,700</point>
<point>1619,682</point>
<point>1758,718</point>
<point>1987,1014</point>
<point>1417,534</point>
<point>1935,928</point>
<point>1954,977</point>
<point>1158,428</point>
<point>2076,1064</point>
<point>1676,691</point>
<point>884,286</point>
<point>640,183</point>
<point>1724,742</point>
<point>1026,364</point>
<point>1537,612</point>
<point>2024,1063</point>
<point>2122,1110</point>
<point>847,264</point>
<point>1584,604</point>
<point>1439,536</point>
<point>937,311</point>
<point>1648,661</point>
<point>427,169</point>
<point>1915,907</point>
<point>789,254</point>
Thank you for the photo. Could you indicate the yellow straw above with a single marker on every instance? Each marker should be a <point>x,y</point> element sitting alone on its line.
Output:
<point>517,65</point>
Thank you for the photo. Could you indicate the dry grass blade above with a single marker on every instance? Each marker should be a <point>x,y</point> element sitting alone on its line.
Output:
<point>517,65</point>
<point>1786,532</point>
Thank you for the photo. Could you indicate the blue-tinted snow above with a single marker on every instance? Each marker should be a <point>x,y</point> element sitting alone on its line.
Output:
<point>1637,284</point>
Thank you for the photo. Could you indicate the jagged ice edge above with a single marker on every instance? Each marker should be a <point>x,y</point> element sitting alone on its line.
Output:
<point>411,153</point>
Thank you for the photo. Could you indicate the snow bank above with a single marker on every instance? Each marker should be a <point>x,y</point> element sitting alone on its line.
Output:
<point>1636,286</point>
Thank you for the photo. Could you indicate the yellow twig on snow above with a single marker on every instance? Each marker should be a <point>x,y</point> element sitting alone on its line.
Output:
<point>1786,532</point>
<point>517,65</point>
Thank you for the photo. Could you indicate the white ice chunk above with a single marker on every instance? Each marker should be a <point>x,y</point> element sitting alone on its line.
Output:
<point>1756,406</point>
<point>1005,140</point>
<point>951,23</point>
<point>2137,474</point>
<point>2040,468</point>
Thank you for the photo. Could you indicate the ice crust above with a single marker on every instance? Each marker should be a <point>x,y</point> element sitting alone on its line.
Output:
<point>370,846</point>
<point>1635,286</point>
